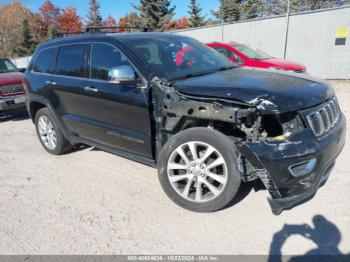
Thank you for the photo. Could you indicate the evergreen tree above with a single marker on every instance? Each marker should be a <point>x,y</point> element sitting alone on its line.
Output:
<point>254,9</point>
<point>319,4</point>
<point>229,10</point>
<point>196,19</point>
<point>297,6</point>
<point>155,13</point>
<point>28,44</point>
<point>277,7</point>
<point>52,32</point>
<point>94,15</point>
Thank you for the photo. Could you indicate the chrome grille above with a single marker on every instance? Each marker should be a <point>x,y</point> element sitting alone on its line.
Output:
<point>11,89</point>
<point>324,119</point>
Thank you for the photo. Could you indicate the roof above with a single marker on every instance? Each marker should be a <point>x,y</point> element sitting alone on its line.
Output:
<point>223,43</point>
<point>118,36</point>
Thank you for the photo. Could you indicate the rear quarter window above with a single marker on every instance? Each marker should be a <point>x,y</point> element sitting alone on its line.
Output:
<point>70,60</point>
<point>43,63</point>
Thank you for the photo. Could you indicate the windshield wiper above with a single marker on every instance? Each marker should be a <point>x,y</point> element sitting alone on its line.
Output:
<point>194,75</point>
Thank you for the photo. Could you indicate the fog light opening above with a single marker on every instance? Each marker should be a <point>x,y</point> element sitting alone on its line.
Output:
<point>303,168</point>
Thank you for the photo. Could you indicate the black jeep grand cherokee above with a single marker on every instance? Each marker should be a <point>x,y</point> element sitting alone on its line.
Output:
<point>169,101</point>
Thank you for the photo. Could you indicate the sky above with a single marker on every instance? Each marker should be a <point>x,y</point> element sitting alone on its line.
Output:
<point>118,8</point>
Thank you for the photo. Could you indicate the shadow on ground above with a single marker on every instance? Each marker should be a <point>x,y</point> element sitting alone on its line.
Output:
<point>323,233</point>
<point>77,148</point>
<point>244,191</point>
<point>14,115</point>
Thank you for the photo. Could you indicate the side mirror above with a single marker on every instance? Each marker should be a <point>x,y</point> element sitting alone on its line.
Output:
<point>122,74</point>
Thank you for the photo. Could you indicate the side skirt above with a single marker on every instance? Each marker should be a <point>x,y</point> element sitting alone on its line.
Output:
<point>118,152</point>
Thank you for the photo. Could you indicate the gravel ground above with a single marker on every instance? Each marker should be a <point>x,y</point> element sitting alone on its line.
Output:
<point>92,202</point>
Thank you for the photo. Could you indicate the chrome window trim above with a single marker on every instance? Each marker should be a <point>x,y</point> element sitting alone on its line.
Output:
<point>144,81</point>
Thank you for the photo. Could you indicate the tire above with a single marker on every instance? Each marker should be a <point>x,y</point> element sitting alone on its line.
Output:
<point>201,139</point>
<point>61,144</point>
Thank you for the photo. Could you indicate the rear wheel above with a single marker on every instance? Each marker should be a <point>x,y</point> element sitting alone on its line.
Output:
<point>51,138</point>
<point>198,169</point>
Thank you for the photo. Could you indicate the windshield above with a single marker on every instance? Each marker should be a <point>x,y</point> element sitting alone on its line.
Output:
<point>252,53</point>
<point>6,66</point>
<point>178,57</point>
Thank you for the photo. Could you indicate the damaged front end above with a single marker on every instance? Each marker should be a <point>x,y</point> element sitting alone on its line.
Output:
<point>280,148</point>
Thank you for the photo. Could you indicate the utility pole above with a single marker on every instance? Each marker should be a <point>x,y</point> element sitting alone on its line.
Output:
<point>222,29</point>
<point>287,30</point>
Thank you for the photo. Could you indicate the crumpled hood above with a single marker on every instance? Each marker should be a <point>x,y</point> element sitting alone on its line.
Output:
<point>11,78</point>
<point>269,91</point>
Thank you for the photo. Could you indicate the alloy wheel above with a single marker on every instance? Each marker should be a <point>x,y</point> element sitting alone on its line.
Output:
<point>197,171</point>
<point>47,132</point>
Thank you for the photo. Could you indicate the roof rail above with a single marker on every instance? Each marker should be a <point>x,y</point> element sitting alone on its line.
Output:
<point>107,29</point>
<point>102,29</point>
<point>66,34</point>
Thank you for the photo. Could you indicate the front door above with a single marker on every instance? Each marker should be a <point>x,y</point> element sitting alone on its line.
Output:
<point>116,115</point>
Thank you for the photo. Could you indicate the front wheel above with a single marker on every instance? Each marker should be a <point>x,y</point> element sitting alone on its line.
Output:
<point>198,169</point>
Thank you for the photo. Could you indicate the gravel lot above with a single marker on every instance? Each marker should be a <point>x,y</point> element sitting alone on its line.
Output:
<point>92,202</point>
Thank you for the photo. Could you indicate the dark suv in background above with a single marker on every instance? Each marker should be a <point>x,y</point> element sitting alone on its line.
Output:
<point>207,124</point>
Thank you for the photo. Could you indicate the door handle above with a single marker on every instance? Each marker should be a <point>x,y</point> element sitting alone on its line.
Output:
<point>48,82</point>
<point>90,89</point>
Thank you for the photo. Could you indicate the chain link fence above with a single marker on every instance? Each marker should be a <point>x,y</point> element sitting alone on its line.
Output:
<point>316,39</point>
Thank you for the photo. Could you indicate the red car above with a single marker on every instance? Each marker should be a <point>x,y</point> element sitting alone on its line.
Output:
<point>247,56</point>
<point>12,92</point>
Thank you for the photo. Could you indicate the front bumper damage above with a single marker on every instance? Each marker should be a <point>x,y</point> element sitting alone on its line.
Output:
<point>272,162</point>
<point>269,159</point>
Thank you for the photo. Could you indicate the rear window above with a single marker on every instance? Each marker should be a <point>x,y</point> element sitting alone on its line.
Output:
<point>70,61</point>
<point>252,53</point>
<point>43,62</point>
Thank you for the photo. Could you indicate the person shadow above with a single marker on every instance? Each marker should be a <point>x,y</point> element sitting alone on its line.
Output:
<point>324,234</point>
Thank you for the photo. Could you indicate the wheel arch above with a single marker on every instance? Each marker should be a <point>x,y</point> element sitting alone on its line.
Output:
<point>34,107</point>
<point>35,103</point>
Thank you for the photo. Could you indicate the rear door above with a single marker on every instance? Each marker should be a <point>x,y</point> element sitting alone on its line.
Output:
<point>67,83</point>
<point>116,115</point>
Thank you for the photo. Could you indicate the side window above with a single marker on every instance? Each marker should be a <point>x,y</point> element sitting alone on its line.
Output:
<point>70,61</point>
<point>221,50</point>
<point>43,63</point>
<point>236,57</point>
<point>103,58</point>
